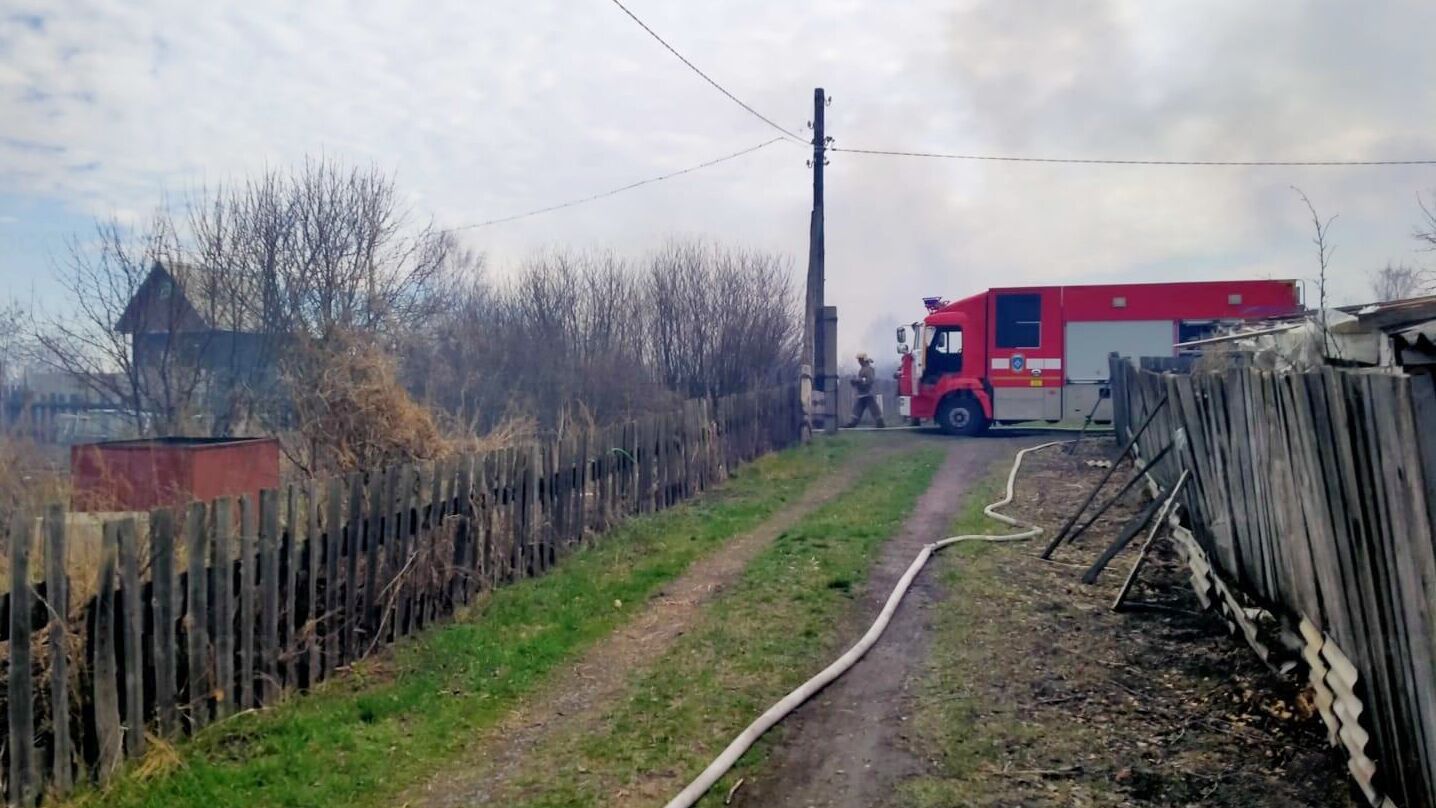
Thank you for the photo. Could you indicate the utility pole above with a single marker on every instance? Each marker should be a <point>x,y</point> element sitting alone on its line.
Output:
<point>815,338</point>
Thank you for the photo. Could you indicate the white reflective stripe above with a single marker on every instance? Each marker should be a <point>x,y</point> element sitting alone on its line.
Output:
<point>1005,363</point>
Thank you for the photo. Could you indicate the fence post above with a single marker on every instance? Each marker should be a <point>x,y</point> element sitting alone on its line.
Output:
<point>163,592</point>
<point>223,583</point>
<point>57,591</point>
<point>132,629</point>
<point>24,783</point>
<point>106,697</point>
<point>248,538</point>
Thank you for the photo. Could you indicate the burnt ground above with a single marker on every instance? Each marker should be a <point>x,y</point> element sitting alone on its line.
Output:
<point>1039,694</point>
<point>1005,681</point>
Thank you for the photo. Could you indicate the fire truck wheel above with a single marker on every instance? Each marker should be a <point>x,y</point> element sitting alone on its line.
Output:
<point>961,415</point>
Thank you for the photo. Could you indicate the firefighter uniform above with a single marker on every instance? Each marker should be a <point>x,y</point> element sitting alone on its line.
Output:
<point>865,399</point>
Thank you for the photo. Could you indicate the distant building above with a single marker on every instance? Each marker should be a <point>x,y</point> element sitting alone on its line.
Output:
<point>182,318</point>
<point>172,316</point>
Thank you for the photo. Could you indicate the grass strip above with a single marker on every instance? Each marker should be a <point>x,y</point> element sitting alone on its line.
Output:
<point>397,718</point>
<point>771,631</point>
<point>949,721</point>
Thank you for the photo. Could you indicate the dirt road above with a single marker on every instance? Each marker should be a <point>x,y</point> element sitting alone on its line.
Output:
<point>845,748</point>
<point>579,695</point>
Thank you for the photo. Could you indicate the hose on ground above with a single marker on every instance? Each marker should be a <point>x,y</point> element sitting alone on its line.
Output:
<point>720,766</point>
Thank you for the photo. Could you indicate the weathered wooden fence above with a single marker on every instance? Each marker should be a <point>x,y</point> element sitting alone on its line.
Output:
<point>1313,495</point>
<point>225,606</point>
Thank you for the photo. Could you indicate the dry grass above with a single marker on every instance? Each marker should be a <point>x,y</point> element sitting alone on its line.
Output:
<point>352,410</point>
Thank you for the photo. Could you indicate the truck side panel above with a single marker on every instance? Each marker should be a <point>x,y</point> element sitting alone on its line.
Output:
<point>1024,340</point>
<point>1089,343</point>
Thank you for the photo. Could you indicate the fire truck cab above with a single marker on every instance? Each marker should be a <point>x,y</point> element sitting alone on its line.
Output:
<point>1040,353</point>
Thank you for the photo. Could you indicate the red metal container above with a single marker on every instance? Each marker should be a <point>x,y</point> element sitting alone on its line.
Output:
<point>137,475</point>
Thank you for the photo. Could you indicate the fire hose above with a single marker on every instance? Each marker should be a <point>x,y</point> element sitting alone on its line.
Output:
<point>720,765</point>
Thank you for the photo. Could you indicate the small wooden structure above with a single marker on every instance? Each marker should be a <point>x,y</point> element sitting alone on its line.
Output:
<point>137,475</point>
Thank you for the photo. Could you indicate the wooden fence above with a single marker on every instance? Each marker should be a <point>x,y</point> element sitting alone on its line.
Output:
<point>227,605</point>
<point>1313,495</point>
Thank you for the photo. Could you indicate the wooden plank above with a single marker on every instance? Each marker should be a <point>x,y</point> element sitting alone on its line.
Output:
<point>441,499</point>
<point>222,582</point>
<point>1317,431</point>
<point>353,536</point>
<point>20,693</point>
<point>108,737</point>
<point>163,593</point>
<point>290,621</point>
<point>333,544</point>
<point>197,616</point>
<point>248,578</point>
<point>484,505</point>
<point>269,596</point>
<point>372,535</point>
<point>392,563</point>
<point>313,552</point>
<point>463,568</point>
<point>1369,646</point>
<point>1419,576</point>
<point>1301,563</point>
<point>533,513</point>
<point>1407,563</point>
<point>408,485</point>
<point>57,591</point>
<point>132,630</point>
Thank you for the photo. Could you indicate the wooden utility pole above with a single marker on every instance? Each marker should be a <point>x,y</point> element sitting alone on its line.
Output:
<point>813,337</point>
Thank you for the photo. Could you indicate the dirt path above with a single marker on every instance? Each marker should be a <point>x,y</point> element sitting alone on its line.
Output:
<point>845,748</point>
<point>579,694</point>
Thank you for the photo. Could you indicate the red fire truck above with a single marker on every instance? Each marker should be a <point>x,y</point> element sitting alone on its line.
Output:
<point>1040,353</point>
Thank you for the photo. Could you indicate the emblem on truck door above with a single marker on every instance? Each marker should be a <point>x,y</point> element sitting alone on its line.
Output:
<point>1017,362</point>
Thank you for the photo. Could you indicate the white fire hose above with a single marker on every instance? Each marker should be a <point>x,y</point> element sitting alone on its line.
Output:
<point>720,766</point>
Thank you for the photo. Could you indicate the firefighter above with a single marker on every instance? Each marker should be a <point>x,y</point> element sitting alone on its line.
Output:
<point>865,399</point>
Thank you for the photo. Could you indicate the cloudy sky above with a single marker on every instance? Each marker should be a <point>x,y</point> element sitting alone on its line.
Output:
<point>486,109</point>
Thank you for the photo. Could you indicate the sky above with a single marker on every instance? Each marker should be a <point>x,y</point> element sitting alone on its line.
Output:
<point>486,109</point>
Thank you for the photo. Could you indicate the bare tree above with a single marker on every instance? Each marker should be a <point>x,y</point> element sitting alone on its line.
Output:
<point>316,252</point>
<point>590,332</point>
<point>1426,231</point>
<point>14,338</point>
<point>100,346</point>
<point>720,320</point>
<point>1324,250</point>
<point>1398,281</point>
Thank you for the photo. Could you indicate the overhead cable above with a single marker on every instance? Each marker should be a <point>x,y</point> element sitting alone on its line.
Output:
<point>628,187</point>
<point>720,88</point>
<point>1115,162</point>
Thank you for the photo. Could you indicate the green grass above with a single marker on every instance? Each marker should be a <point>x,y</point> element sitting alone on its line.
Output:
<point>950,721</point>
<point>395,720</point>
<point>770,632</point>
<point>961,719</point>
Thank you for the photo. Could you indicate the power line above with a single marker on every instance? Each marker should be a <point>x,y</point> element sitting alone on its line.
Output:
<point>1094,161</point>
<point>629,187</point>
<point>755,113</point>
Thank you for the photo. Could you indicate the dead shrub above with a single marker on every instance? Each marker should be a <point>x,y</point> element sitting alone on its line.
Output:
<point>350,410</point>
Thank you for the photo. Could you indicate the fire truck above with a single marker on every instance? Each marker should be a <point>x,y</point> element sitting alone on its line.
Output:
<point>1040,353</point>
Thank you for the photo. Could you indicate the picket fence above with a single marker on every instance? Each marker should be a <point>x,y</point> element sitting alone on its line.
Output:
<point>228,605</point>
<point>1313,495</point>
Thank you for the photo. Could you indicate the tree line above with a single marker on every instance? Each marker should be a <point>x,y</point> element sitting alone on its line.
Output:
<point>311,303</point>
